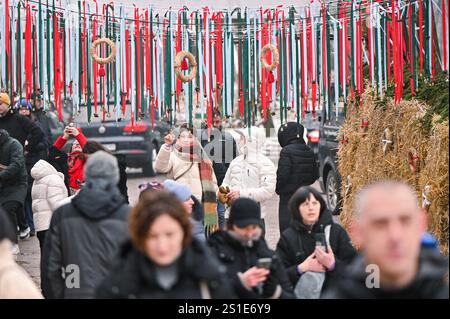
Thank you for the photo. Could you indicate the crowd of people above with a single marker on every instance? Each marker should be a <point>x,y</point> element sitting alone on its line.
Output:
<point>201,232</point>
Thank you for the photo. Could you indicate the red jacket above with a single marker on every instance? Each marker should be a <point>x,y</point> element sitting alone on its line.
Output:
<point>76,162</point>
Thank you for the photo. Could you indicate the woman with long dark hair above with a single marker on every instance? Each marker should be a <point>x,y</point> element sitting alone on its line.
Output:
<point>313,243</point>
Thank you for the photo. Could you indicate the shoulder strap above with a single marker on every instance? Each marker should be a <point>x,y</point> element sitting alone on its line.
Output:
<point>182,174</point>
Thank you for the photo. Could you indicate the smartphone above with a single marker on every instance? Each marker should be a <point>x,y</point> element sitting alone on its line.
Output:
<point>265,263</point>
<point>321,241</point>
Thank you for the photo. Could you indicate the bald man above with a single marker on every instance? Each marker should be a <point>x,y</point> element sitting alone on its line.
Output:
<point>389,224</point>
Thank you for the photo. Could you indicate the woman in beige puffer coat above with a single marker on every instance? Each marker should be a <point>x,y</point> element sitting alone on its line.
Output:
<point>47,192</point>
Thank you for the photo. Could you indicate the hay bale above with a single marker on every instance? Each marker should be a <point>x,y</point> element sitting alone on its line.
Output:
<point>435,174</point>
<point>363,160</point>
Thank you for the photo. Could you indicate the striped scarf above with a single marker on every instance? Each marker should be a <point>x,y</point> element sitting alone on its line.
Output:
<point>197,155</point>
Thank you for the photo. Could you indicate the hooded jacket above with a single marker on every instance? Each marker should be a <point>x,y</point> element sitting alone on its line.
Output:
<point>297,164</point>
<point>252,173</point>
<point>298,242</point>
<point>47,191</point>
<point>429,282</point>
<point>13,179</point>
<point>238,257</point>
<point>133,276</point>
<point>88,233</point>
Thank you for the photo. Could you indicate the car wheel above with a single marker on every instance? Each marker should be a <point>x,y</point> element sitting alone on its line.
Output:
<point>333,194</point>
<point>149,170</point>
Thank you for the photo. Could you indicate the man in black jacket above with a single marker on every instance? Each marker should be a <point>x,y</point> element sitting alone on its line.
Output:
<point>221,148</point>
<point>13,181</point>
<point>296,167</point>
<point>84,236</point>
<point>241,249</point>
<point>19,127</point>
<point>42,117</point>
<point>389,225</point>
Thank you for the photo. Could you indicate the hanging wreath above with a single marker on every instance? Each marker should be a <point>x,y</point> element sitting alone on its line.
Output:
<point>386,140</point>
<point>179,58</point>
<point>275,57</point>
<point>413,160</point>
<point>98,59</point>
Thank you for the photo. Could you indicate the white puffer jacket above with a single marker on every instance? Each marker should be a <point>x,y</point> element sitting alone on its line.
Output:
<point>175,166</point>
<point>252,173</point>
<point>47,192</point>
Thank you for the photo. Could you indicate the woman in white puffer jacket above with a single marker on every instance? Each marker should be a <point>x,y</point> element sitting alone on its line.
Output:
<point>251,174</point>
<point>47,192</point>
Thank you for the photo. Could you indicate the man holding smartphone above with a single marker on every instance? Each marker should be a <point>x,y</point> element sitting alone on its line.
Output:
<point>255,270</point>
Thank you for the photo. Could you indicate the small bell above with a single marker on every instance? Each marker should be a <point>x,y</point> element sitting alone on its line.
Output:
<point>184,65</point>
<point>101,71</point>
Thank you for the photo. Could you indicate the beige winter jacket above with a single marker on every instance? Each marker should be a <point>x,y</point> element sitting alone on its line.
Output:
<point>175,165</point>
<point>47,192</point>
<point>15,283</point>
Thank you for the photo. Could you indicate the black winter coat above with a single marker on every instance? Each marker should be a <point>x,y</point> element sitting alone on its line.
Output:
<point>297,163</point>
<point>428,284</point>
<point>133,276</point>
<point>22,128</point>
<point>87,233</point>
<point>13,179</point>
<point>298,242</point>
<point>44,122</point>
<point>239,258</point>
<point>221,149</point>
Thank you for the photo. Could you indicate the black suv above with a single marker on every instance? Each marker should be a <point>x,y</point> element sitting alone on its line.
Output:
<point>139,145</point>
<point>322,138</point>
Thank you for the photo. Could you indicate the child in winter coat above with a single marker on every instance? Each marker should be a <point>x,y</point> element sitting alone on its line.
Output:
<point>76,156</point>
<point>47,192</point>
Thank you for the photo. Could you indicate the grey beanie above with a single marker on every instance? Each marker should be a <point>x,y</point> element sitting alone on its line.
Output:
<point>102,166</point>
